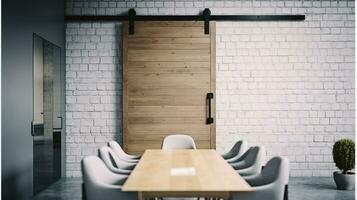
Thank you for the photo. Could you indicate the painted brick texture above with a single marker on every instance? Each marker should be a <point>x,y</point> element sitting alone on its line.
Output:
<point>93,90</point>
<point>288,86</point>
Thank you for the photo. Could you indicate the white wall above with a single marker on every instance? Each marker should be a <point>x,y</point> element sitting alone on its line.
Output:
<point>288,86</point>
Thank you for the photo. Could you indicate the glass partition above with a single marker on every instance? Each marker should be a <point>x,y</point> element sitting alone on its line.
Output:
<point>47,121</point>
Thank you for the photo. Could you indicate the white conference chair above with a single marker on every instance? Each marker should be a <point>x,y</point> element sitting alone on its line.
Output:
<point>251,162</point>
<point>101,183</point>
<point>121,153</point>
<point>270,184</point>
<point>113,162</point>
<point>238,149</point>
<point>178,142</point>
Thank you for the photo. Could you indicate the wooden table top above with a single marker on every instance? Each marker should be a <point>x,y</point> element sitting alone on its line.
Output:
<point>213,173</point>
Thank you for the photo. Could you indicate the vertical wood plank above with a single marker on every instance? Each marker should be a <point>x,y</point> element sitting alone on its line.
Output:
<point>213,82</point>
<point>140,196</point>
<point>125,84</point>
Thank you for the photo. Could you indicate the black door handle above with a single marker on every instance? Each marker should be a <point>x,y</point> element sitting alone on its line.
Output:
<point>210,118</point>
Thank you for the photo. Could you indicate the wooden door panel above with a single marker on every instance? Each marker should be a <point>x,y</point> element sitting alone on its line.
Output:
<point>166,120</point>
<point>167,111</point>
<point>159,136</point>
<point>159,40</point>
<point>136,146</point>
<point>168,46</point>
<point>169,24</point>
<point>169,32</point>
<point>188,84</point>
<point>168,127</point>
<point>166,100</point>
<point>165,91</point>
<point>168,55</point>
<point>153,65</point>
<point>166,78</point>
<point>169,67</point>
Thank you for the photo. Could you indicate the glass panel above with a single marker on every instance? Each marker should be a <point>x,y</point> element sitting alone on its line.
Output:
<point>38,86</point>
<point>47,125</point>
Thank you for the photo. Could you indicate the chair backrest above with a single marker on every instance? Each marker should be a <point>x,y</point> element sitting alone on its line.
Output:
<point>276,169</point>
<point>178,142</point>
<point>272,181</point>
<point>99,181</point>
<point>121,153</point>
<point>111,159</point>
<point>255,154</point>
<point>95,173</point>
<point>238,149</point>
<point>117,148</point>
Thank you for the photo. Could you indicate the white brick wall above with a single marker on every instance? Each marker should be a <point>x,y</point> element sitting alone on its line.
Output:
<point>93,89</point>
<point>288,86</point>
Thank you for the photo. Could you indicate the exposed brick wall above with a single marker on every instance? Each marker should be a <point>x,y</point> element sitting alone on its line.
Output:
<point>288,86</point>
<point>93,89</point>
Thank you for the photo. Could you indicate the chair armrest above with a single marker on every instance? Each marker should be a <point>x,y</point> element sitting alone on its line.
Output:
<point>129,160</point>
<point>255,180</point>
<point>248,171</point>
<point>226,155</point>
<point>252,178</point>
<point>133,157</point>
<point>236,158</point>
<point>264,187</point>
<point>121,171</point>
<point>127,165</point>
<point>232,159</point>
<point>239,165</point>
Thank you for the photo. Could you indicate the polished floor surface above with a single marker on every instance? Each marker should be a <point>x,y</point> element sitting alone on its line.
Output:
<point>315,188</point>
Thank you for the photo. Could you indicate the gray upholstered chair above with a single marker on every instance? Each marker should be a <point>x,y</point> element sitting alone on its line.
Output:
<point>251,162</point>
<point>101,183</point>
<point>270,184</point>
<point>178,142</point>
<point>121,153</point>
<point>113,162</point>
<point>238,149</point>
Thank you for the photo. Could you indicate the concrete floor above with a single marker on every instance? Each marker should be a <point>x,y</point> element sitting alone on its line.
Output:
<point>302,188</point>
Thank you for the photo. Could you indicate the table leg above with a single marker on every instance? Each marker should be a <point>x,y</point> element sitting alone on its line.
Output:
<point>140,196</point>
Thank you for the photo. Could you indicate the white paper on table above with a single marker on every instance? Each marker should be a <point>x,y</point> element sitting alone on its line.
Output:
<point>183,171</point>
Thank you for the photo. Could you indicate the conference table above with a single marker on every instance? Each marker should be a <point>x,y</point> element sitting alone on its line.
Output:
<point>184,173</point>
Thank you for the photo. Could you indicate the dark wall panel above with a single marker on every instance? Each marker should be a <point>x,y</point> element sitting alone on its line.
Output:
<point>20,19</point>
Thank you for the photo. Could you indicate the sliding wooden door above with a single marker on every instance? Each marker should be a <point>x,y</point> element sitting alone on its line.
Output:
<point>169,68</point>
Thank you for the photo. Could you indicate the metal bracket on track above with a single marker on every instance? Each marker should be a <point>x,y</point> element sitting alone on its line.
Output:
<point>206,17</point>
<point>132,14</point>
